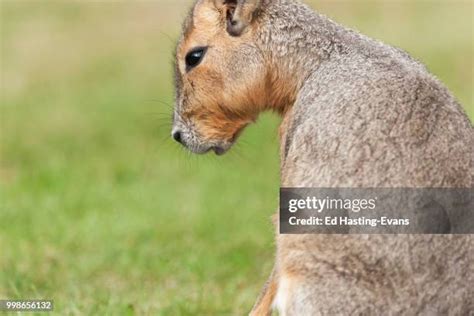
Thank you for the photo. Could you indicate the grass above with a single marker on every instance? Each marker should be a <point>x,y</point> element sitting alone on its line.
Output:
<point>99,210</point>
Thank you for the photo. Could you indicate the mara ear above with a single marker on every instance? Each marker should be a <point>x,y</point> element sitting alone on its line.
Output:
<point>238,14</point>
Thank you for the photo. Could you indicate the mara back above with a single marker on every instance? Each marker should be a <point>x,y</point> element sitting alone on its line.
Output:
<point>356,113</point>
<point>372,116</point>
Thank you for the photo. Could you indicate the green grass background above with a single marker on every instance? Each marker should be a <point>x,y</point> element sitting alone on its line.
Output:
<point>100,210</point>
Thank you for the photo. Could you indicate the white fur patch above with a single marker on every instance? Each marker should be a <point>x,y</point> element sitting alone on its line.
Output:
<point>282,296</point>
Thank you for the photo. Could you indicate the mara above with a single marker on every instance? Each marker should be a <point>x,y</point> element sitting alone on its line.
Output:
<point>355,113</point>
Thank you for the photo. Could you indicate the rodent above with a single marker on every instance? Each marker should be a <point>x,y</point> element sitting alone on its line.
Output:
<point>355,113</point>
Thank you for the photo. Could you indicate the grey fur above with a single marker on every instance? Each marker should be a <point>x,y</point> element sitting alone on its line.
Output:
<point>367,103</point>
<point>365,115</point>
<point>368,115</point>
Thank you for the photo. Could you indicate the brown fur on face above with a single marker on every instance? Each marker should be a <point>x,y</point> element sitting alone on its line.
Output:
<point>231,85</point>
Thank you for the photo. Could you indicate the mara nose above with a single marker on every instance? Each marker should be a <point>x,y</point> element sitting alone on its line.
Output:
<point>177,136</point>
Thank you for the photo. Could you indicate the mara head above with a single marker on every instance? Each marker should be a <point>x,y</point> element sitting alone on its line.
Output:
<point>219,75</point>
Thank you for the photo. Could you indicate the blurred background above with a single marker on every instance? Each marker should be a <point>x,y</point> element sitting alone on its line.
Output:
<point>100,210</point>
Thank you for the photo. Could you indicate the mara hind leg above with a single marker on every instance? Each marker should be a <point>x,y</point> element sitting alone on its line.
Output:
<point>265,301</point>
<point>263,305</point>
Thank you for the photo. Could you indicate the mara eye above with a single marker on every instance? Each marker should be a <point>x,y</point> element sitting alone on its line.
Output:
<point>194,57</point>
